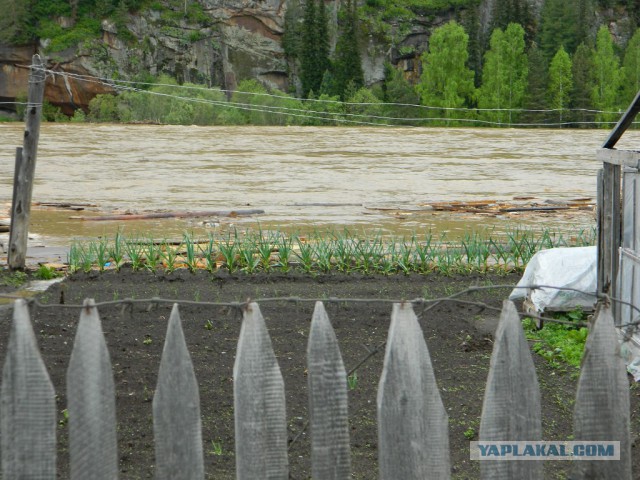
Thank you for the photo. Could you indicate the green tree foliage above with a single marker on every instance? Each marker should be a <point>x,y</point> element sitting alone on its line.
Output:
<point>397,88</point>
<point>564,24</point>
<point>536,94</point>
<point>314,52</point>
<point>560,82</point>
<point>293,30</point>
<point>504,76</point>
<point>348,63</point>
<point>326,110</point>
<point>582,69</point>
<point>104,108</point>
<point>16,21</point>
<point>631,69</point>
<point>633,9</point>
<point>514,11</point>
<point>607,78</point>
<point>364,106</point>
<point>446,80</point>
<point>470,20</point>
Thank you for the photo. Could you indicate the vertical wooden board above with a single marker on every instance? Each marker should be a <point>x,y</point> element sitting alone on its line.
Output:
<point>91,402</point>
<point>636,212</point>
<point>328,410</point>
<point>609,232</point>
<point>177,427</point>
<point>625,290</point>
<point>630,209</point>
<point>259,401</point>
<point>27,406</point>
<point>413,425</point>
<point>602,273</point>
<point>511,409</point>
<point>602,401</point>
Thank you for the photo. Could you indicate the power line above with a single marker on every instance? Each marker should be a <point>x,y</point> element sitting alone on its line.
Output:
<point>338,117</point>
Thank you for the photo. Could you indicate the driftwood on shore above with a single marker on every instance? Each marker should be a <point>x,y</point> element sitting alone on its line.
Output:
<point>147,216</point>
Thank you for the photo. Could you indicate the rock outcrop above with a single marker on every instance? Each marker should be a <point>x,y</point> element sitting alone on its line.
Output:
<point>218,43</point>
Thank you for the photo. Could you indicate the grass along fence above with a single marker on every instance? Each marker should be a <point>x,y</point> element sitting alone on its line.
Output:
<point>252,251</point>
<point>412,421</point>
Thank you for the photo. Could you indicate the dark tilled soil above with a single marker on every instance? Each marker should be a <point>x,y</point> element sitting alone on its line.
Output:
<point>459,337</point>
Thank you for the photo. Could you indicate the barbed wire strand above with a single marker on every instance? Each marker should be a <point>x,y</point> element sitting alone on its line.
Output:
<point>428,303</point>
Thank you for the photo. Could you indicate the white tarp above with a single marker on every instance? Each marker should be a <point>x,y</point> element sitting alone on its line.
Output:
<point>574,268</point>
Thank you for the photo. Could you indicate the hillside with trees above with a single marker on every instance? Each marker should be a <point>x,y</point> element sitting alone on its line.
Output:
<point>416,62</point>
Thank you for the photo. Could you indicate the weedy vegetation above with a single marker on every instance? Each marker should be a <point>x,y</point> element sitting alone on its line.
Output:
<point>559,344</point>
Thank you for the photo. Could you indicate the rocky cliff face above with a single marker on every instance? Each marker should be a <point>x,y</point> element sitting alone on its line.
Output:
<point>226,41</point>
<point>238,39</point>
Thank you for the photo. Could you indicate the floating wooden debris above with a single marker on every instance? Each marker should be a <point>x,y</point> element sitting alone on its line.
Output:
<point>65,206</point>
<point>490,207</point>
<point>147,216</point>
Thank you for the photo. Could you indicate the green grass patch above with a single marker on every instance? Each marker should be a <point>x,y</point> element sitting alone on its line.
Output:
<point>13,279</point>
<point>559,344</point>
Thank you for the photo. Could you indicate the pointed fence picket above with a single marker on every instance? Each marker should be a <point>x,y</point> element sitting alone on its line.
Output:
<point>413,424</point>
<point>511,409</point>
<point>91,402</point>
<point>177,426</point>
<point>28,408</point>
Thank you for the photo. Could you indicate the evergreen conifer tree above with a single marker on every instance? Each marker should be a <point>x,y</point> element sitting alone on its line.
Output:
<point>348,72</point>
<point>565,24</point>
<point>471,23</point>
<point>536,98</point>
<point>582,72</point>
<point>514,11</point>
<point>314,53</point>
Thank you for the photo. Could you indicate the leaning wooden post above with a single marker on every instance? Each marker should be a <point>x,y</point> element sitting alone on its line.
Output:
<point>23,183</point>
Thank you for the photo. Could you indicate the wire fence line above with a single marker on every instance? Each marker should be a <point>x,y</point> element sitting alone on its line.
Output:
<point>426,304</point>
<point>339,117</point>
<point>119,82</point>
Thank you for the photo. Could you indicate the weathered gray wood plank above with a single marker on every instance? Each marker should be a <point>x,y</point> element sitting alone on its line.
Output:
<point>609,228</point>
<point>91,402</point>
<point>413,428</point>
<point>23,191</point>
<point>602,401</point>
<point>619,157</point>
<point>27,406</point>
<point>328,410</point>
<point>631,209</point>
<point>259,401</point>
<point>177,425</point>
<point>511,409</point>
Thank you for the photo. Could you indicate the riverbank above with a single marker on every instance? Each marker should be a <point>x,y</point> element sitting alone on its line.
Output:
<point>459,337</point>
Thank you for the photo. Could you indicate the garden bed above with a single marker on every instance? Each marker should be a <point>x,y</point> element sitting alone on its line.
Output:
<point>459,336</point>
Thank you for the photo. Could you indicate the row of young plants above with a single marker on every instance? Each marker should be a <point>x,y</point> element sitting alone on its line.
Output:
<point>324,252</point>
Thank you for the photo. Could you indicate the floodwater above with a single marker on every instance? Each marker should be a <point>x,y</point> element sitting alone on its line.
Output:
<point>302,177</point>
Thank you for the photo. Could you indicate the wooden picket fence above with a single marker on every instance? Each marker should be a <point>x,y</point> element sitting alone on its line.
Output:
<point>412,421</point>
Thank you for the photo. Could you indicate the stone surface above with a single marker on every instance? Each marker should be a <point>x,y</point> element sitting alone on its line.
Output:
<point>236,40</point>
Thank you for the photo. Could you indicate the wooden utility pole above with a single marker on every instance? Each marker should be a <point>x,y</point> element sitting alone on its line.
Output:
<point>26,168</point>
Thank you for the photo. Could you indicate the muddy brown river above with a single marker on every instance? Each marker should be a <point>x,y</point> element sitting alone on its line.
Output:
<point>302,177</point>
